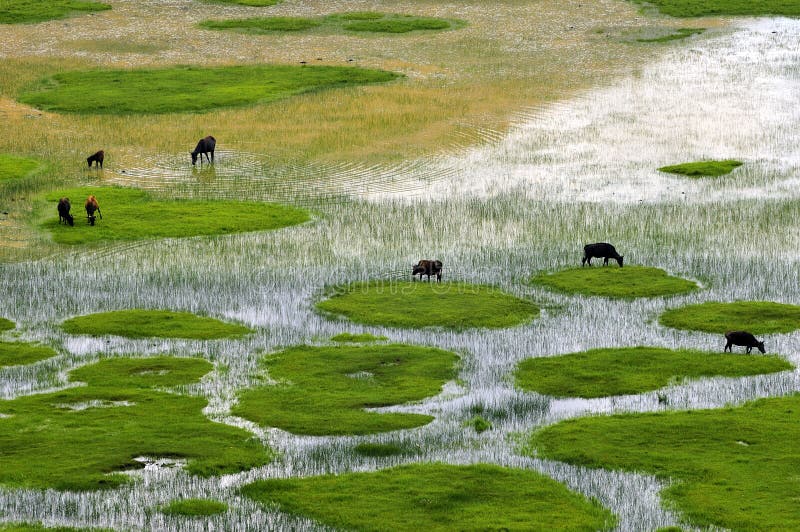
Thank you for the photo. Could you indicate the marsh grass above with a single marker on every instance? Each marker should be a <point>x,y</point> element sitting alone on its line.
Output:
<point>382,450</point>
<point>33,11</point>
<point>131,214</point>
<point>757,317</point>
<point>140,323</point>
<point>357,338</point>
<point>325,390</point>
<point>187,89</point>
<point>95,431</point>
<point>479,424</point>
<point>19,353</point>
<point>39,527</point>
<point>734,468</point>
<point>420,304</point>
<point>623,283</point>
<point>435,497</point>
<point>6,325</point>
<point>693,8</point>
<point>703,168</point>
<point>194,507</point>
<point>250,3</point>
<point>673,35</point>
<point>13,166</point>
<point>624,371</point>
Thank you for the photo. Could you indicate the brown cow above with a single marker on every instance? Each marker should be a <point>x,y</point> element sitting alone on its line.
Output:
<point>92,206</point>
<point>428,267</point>
<point>96,158</point>
<point>63,212</point>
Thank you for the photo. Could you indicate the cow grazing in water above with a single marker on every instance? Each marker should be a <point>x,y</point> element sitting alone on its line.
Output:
<point>96,158</point>
<point>428,267</point>
<point>742,338</point>
<point>204,146</point>
<point>600,250</point>
<point>63,212</point>
<point>92,207</point>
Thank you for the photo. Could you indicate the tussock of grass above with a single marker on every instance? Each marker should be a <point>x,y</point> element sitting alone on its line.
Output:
<point>622,371</point>
<point>131,214</point>
<point>703,168</point>
<point>479,424</point>
<point>12,166</point>
<point>19,353</point>
<point>324,390</point>
<point>624,283</point>
<point>6,325</point>
<point>435,497</point>
<point>357,338</point>
<point>187,89</point>
<point>736,468</point>
<point>757,317</point>
<point>32,11</point>
<point>420,304</point>
<point>380,450</point>
<point>126,417</point>
<point>703,8</point>
<point>195,507</point>
<point>680,33</point>
<point>139,323</point>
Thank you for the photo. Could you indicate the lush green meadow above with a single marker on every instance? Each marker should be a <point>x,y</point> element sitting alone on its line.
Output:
<point>33,11</point>
<point>704,8</point>
<point>12,166</point>
<point>625,283</point>
<point>18,353</point>
<point>194,507</point>
<point>141,323</point>
<point>757,317</point>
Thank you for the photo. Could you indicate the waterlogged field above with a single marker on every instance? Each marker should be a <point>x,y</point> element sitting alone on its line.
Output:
<point>509,144</point>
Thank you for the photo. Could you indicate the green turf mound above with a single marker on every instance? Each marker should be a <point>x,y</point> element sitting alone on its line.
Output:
<point>622,371</point>
<point>419,304</point>
<point>96,430</point>
<point>131,214</point>
<point>139,323</point>
<point>324,390</point>
<point>6,325</point>
<point>757,317</point>
<point>736,468</point>
<point>703,168</point>
<point>350,338</point>
<point>195,507</point>
<point>20,353</point>
<point>624,283</point>
<point>695,8</point>
<point>435,497</point>
<point>369,22</point>
<point>187,89</point>
<point>33,11</point>
<point>12,166</point>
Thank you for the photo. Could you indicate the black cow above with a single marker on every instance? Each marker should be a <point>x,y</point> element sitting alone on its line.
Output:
<point>600,250</point>
<point>63,212</point>
<point>428,267</point>
<point>96,158</point>
<point>204,146</point>
<point>742,338</point>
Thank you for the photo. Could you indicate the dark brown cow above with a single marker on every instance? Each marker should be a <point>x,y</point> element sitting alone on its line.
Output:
<point>96,158</point>
<point>428,267</point>
<point>63,212</point>
<point>744,339</point>
<point>204,146</point>
<point>92,206</point>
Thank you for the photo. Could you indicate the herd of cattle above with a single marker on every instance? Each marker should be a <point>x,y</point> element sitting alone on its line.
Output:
<point>600,250</point>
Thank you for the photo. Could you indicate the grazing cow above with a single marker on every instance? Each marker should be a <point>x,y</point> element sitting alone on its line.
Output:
<point>744,339</point>
<point>600,250</point>
<point>96,158</point>
<point>63,212</point>
<point>428,267</point>
<point>204,146</point>
<point>92,206</point>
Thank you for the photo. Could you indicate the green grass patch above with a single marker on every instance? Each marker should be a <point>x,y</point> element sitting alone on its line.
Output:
<point>418,304</point>
<point>324,390</point>
<point>187,89</point>
<point>622,371</point>
<point>479,424</point>
<point>623,283</point>
<point>360,21</point>
<point>435,497</point>
<point>13,166</point>
<point>19,353</point>
<point>140,323</point>
<point>33,11</point>
<point>380,450</point>
<point>39,527</point>
<point>350,338</point>
<point>131,214</point>
<point>6,325</point>
<point>736,468</point>
<point>703,8</point>
<point>757,317</point>
<point>703,168</point>
<point>195,507</point>
<point>78,438</point>
<point>675,35</point>
<point>251,3</point>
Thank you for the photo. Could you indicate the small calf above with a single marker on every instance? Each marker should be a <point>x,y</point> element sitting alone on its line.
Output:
<point>744,339</point>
